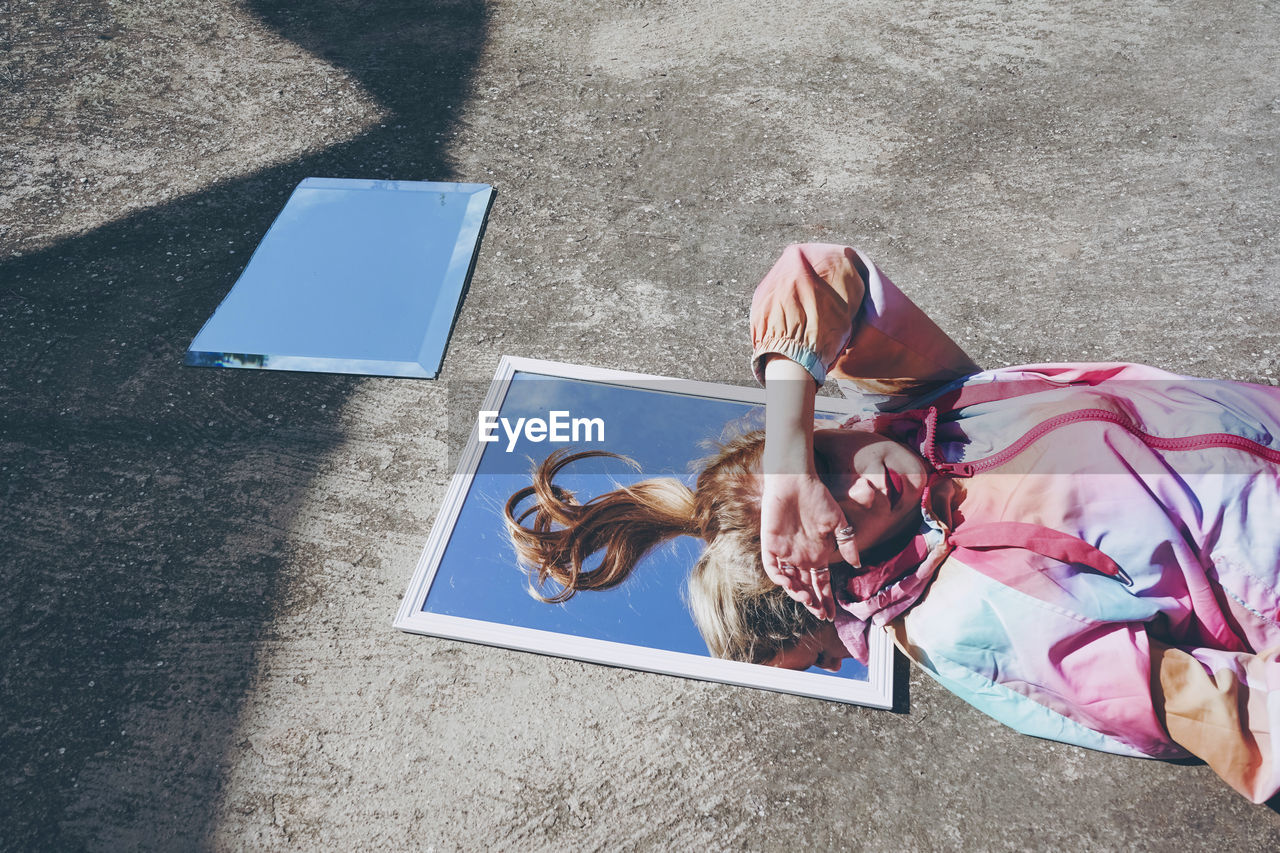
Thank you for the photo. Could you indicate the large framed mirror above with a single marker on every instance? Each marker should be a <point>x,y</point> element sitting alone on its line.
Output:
<point>468,585</point>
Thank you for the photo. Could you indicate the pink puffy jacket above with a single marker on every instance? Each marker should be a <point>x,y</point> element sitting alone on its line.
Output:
<point>1100,557</point>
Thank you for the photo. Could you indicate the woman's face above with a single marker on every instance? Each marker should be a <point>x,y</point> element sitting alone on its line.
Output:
<point>822,649</point>
<point>875,480</point>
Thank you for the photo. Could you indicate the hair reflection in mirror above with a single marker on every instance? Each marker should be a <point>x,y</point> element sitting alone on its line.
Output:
<point>741,614</point>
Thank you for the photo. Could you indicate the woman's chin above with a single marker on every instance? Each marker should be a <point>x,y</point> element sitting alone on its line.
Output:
<point>892,543</point>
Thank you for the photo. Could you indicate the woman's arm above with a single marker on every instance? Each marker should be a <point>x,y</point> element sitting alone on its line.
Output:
<point>804,308</point>
<point>825,308</point>
<point>801,320</point>
<point>798,516</point>
<point>833,311</point>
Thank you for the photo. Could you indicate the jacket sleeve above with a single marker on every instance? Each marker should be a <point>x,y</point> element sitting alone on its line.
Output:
<point>830,309</point>
<point>1223,707</point>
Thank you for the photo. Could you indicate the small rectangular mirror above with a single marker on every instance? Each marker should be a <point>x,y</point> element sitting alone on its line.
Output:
<point>354,276</point>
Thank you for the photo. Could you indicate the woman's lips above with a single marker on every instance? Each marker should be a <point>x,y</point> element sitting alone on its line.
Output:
<point>893,480</point>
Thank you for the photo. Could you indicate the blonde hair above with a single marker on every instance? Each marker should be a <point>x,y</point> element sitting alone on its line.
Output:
<point>741,614</point>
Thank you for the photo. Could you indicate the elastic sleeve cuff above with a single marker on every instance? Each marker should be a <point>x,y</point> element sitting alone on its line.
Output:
<point>799,352</point>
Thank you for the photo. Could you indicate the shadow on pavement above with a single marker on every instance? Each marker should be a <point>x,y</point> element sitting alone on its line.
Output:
<point>148,504</point>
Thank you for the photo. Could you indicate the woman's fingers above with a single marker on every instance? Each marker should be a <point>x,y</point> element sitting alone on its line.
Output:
<point>825,605</point>
<point>780,572</point>
<point>847,544</point>
<point>809,587</point>
<point>808,582</point>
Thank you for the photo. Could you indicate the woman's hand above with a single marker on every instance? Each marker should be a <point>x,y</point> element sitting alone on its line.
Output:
<point>802,529</point>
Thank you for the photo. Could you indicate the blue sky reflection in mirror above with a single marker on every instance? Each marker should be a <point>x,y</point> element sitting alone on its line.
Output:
<point>665,432</point>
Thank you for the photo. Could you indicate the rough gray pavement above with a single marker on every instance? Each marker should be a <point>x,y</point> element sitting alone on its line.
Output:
<point>200,567</point>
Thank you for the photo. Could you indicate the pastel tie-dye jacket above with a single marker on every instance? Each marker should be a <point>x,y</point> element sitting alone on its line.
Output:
<point>1100,557</point>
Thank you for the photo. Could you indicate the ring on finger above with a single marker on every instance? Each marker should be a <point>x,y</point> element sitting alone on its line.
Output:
<point>845,534</point>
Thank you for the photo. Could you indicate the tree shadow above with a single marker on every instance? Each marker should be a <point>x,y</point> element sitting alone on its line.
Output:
<point>148,504</point>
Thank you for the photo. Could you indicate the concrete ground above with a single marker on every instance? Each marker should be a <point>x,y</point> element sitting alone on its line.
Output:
<point>200,567</point>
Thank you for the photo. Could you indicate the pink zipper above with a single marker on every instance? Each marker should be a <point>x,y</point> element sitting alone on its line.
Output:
<point>1192,442</point>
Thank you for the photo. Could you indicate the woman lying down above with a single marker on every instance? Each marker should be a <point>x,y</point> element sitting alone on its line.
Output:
<point>1086,552</point>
